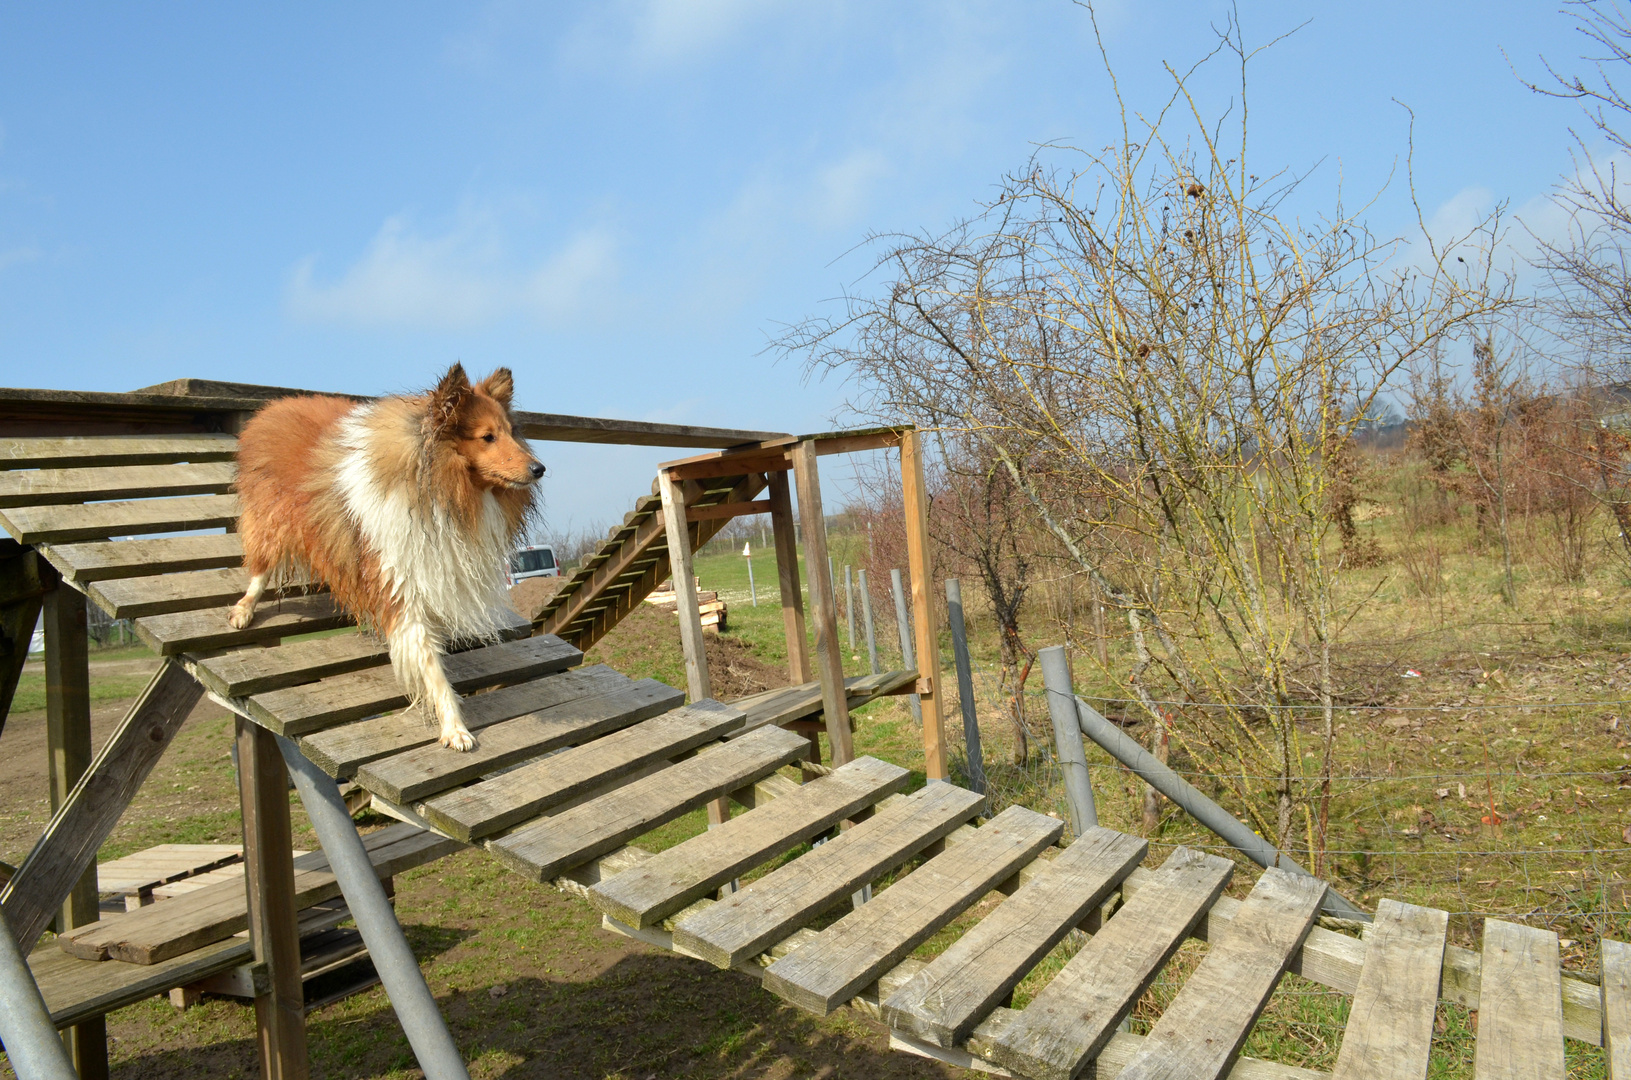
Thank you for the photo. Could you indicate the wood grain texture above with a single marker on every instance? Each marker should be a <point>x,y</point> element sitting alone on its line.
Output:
<point>186,590</point>
<point>683,568</point>
<point>340,751</point>
<point>99,521</point>
<point>799,669</point>
<point>829,660</point>
<point>1520,1011</point>
<point>555,844</point>
<point>672,879</point>
<point>50,486</point>
<point>199,631</point>
<point>942,1003</point>
<point>1390,1023</point>
<point>1201,1033</point>
<point>77,830</point>
<point>245,672</point>
<point>1071,1019</point>
<point>422,772</point>
<point>84,451</point>
<point>106,560</point>
<point>750,920</point>
<point>1617,1008</point>
<point>925,601</point>
<point>854,951</point>
<point>521,793</point>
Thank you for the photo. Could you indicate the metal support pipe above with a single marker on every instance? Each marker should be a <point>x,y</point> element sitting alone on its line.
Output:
<point>1067,737</point>
<point>1233,831</point>
<point>908,655</point>
<point>866,618</point>
<point>965,685</point>
<point>33,1047</point>
<point>398,969</point>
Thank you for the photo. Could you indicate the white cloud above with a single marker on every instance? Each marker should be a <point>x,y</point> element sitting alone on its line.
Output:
<point>662,33</point>
<point>458,279</point>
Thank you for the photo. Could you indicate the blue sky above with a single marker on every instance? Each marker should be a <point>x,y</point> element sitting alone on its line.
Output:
<point>624,200</point>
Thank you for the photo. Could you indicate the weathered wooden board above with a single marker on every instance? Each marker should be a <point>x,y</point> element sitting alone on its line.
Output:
<point>688,871</point>
<point>1201,1033</point>
<point>785,704</point>
<point>547,848</point>
<point>244,672</point>
<point>422,772</point>
<point>514,796</point>
<point>163,863</point>
<point>98,521</point>
<point>1520,1010</point>
<point>105,560</point>
<point>197,631</point>
<point>749,921</point>
<point>1122,1047</point>
<point>1071,1019</point>
<point>159,932</point>
<point>1617,1008</point>
<point>39,487</point>
<point>187,590</point>
<point>299,710</point>
<point>942,1003</point>
<point>854,951</point>
<point>1390,1024</point>
<point>339,751</point>
<point>85,451</point>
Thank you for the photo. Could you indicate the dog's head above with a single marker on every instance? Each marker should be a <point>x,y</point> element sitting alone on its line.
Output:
<point>475,422</point>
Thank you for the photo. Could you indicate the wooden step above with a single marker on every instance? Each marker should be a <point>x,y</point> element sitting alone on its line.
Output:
<point>254,671</point>
<point>190,590</point>
<point>667,882</point>
<point>43,487</point>
<point>1520,1005</point>
<point>1390,1021</point>
<point>84,451</point>
<point>99,521</point>
<point>206,629</point>
<point>749,921</point>
<point>544,850</point>
<point>105,560</point>
<point>849,955</point>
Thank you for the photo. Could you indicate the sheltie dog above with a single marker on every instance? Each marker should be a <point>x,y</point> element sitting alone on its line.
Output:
<point>407,508</point>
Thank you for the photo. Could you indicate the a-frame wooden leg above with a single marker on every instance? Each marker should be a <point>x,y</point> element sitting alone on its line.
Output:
<point>263,792</point>
<point>925,617</point>
<point>823,608</point>
<point>787,578</point>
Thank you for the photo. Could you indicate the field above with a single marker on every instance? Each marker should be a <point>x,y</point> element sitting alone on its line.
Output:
<point>1520,707</point>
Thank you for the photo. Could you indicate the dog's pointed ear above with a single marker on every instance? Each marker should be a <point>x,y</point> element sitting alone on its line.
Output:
<point>500,386</point>
<point>446,400</point>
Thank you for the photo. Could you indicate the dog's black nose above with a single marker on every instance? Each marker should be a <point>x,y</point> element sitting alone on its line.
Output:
<point>537,469</point>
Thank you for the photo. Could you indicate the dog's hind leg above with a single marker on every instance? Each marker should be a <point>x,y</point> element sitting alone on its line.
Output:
<point>244,610</point>
<point>417,657</point>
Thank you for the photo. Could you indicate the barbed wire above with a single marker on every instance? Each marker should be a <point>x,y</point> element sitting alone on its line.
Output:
<point>1316,707</point>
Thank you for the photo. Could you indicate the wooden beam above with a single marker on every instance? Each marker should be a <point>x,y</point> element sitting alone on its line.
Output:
<point>25,578</point>
<point>787,577</point>
<point>683,568</point>
<point>925,620</point>
<point>88,815</point>
<point>857,442</point>
<point>263,794</point>
<point>713,468</point>
<point>829,659</point>
<point>554,427</point>
<point>727,510</point>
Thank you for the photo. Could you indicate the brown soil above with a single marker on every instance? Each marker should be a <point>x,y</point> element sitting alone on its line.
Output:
<point>736,671</point>
<point>530,596</point>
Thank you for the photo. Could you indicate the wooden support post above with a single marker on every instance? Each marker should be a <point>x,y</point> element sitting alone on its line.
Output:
<point>68,747</point>
<point>22,585</point>
<point>925,625</point>
<point>787,576</point>
<point>829,661</point>
<point>682,564</point>
<point>280,1010</point>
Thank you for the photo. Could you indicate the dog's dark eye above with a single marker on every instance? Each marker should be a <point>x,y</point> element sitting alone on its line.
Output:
<point>489,437</point>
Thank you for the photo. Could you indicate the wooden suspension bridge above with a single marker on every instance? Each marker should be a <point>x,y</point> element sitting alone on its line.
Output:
<point>118,499</point>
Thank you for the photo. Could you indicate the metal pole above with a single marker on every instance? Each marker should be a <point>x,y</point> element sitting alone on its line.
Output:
<point>965,685</point>
<point>866,618</point>
<point>908,655</point>
<point>1067,736</point>
<point>849,605</point>
<point>33,1046</point>
<point>404,983</point>
<point>1204,810</point>
<point>753,590</point>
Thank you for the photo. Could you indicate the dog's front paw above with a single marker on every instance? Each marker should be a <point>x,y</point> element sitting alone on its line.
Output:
<point>458,738</point>
<point>240,616</point>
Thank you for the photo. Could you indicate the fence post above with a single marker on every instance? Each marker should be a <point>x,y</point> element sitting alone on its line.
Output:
<point>1067,736</point>
<point>965,685</point>
<point>866,617</point>
<point>908,655</point>
<point>849,605</point>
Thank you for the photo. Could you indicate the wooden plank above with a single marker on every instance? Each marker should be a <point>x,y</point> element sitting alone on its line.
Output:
<point>670,880</point>
<point>84,451</point>
<point>1390,1024</point>
<point>339,751</point>
<point>514,796</point>
<point>925,619</point>
<point>942,1003</point>
<point>1201,1033</point>
<point>188,590</point>
<point>1520,1010</point>
<point>105,560</point>
<point>787,579</point>
<point>77,830</point>
<point>1071,1019</point>
<point>420,773</point>
<point>854,951</point>
<point>829,660</point>
<point>727,510</point>
<point>682,566</point>
<point>245,672</point>
<point>77,990</point>
<point>547,848</point>
<point>158,932</point>
<point>1616,975</point>
<point>1121,1048</point>
<point>162,864</point>
<point>300,710</point>
<point>44,487</point>
<point>99,521</point>
<point>199,631</point>
<point>749,921</point>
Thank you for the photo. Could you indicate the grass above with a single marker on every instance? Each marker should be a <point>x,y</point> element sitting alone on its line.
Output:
<point>30,694</point>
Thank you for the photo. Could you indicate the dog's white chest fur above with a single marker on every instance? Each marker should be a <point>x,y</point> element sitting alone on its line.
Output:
<point>444,573</point>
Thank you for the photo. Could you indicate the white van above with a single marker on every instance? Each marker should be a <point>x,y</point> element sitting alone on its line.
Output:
<point>537,560</point>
